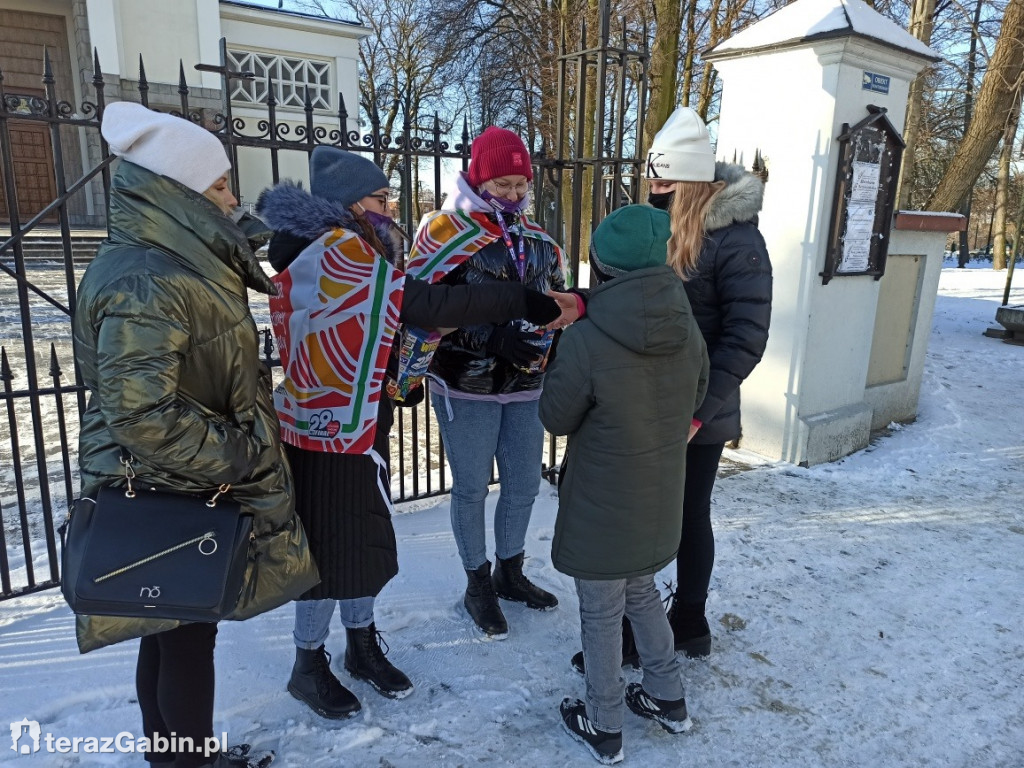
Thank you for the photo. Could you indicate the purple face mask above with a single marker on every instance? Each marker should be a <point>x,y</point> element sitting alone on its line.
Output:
<point>501,204</point>
<point>378,219</point>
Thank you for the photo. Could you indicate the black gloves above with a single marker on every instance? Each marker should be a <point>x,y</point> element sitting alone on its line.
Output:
<point>541,309</point>
<point>513,344</point>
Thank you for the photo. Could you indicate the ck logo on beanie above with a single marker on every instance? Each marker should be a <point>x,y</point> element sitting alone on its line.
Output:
<point>651,157</point>
<point>681,150</point>
<point>517,159</point>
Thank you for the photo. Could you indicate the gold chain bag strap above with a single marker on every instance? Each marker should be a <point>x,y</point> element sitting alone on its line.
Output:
<point>154,554</point>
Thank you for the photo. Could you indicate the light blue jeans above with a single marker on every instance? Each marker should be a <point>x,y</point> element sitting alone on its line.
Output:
<point>480,432</point>
<point>313,619</point>
<point>602,604</point>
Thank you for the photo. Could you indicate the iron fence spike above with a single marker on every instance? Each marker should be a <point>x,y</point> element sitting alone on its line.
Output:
<point>47,67</point>
<point>54,363</point>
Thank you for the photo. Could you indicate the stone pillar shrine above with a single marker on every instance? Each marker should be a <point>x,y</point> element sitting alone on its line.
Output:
<point>820,89</point>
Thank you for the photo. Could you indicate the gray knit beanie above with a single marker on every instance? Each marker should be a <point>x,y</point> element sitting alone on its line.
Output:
<point>343,177</point>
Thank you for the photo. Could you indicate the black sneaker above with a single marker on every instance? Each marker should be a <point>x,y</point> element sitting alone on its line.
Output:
<point>670,715</point>
<point>603,745</point>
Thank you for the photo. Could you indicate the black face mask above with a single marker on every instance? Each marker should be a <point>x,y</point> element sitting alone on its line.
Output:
<point>661,200</point>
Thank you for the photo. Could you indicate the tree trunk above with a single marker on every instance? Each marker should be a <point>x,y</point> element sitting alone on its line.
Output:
<point>972,58</point>
<point>922,22</point>
<point>662,72</point>
<point>707,91</point>
<point>590,134</point>
<point>995,102</point>
<point>1002,189</point>
<point>691,51</point>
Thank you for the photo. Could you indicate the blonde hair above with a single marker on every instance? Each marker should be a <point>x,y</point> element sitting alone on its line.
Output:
<point>689,209</point>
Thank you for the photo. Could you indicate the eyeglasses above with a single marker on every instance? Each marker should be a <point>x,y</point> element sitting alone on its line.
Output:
<point>503,187</point>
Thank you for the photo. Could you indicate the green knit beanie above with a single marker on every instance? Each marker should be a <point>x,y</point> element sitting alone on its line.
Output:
<point>634,237</point>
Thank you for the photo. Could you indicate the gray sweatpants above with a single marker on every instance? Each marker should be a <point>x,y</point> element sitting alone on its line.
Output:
<point>602,604</point>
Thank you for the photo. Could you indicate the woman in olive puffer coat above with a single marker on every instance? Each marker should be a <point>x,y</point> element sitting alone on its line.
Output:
<point>169,351</point>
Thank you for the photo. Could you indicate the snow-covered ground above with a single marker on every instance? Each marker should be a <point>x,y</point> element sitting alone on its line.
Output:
<point>865,613</point>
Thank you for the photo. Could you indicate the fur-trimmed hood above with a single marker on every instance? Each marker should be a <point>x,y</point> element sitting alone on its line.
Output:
<point>740,200</point>
<point>289,208</point>
<point>296,216</point>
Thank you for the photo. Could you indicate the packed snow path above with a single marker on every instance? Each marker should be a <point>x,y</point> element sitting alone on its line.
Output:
<point>864,613</point>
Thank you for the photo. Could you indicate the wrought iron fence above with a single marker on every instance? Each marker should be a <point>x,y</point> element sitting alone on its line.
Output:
<point>41,410</point>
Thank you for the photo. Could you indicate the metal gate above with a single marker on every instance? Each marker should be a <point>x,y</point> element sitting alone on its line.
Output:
<point>595,169</point>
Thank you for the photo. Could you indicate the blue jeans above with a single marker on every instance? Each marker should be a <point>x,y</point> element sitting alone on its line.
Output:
<point>602,604</point>
<point>313,619</point>
<point>480,432</point>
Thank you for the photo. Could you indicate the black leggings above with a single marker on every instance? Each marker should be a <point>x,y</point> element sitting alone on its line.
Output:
<point>174,680</point>
<point>696,556</point>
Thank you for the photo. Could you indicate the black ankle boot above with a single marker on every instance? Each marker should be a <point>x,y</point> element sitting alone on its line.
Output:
<point>690,629</point>
<point>482,603</point>
<point>366,660</point>
<point>313,682</point>
<point>511,583</point>
<point>241,756</point>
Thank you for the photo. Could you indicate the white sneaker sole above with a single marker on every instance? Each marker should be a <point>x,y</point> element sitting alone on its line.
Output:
<point>603,759</point>
<point>674,726</point>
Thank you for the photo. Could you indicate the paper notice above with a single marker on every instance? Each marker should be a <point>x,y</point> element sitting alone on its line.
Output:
<point>860,224</point>
<point>864,186</point>
<point>855,256</point>
<point>860,217</point>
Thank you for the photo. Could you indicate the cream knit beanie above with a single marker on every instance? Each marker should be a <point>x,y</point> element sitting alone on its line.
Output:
<point>167,145</point>
<point>681,150</point>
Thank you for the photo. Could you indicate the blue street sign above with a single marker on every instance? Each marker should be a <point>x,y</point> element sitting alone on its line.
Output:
<point>876,83</point>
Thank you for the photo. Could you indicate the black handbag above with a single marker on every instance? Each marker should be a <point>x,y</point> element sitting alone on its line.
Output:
<point>154,554</point>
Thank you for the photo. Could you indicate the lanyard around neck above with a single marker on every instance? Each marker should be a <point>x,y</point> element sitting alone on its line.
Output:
<point>518,254</point>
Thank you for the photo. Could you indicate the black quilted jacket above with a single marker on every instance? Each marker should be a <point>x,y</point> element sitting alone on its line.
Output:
<point>730,295</point>
<point>462,359</point>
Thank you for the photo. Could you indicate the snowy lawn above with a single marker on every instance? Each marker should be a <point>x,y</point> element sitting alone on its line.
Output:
<point>865,613</point>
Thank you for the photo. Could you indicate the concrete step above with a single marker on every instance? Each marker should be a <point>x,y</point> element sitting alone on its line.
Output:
<point>83,248</point>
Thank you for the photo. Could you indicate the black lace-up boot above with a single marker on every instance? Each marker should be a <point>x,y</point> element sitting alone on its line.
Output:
<point>243,756</point>
<point>482,603</point>
<point>511,583</point>
<point>365,659</point>
<point>313,682</point>
<point>690,628</point>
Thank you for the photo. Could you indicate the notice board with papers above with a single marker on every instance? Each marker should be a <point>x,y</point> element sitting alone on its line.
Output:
<point>870,153</point>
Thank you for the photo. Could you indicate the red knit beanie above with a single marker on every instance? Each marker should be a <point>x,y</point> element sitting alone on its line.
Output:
<point>497,152</point>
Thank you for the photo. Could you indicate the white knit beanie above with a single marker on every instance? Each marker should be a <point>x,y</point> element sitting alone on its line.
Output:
<point>681,150</point>
<point>164,144</point>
